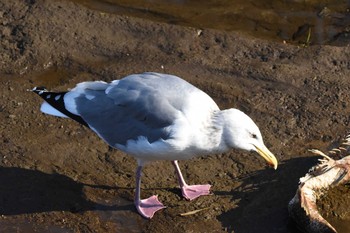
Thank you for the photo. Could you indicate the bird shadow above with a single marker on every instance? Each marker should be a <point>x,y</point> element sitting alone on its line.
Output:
<point>26,191</point>
<point>263,199</point>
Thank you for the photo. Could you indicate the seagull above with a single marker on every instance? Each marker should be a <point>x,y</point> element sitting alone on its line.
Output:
<point>154,116</point>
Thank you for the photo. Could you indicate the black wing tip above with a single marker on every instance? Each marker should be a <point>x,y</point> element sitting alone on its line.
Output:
<point>56,101</point>
<point>39,90</point>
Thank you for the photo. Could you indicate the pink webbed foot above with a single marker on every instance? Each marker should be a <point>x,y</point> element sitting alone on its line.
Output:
<point>191,192</point>
<point>147,207</point>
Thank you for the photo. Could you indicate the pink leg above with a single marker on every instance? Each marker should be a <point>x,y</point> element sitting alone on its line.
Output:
<point>190,192</point>
<point>146,207</point>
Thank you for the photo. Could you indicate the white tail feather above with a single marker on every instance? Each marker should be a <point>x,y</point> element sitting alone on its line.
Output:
<point>48,109</point>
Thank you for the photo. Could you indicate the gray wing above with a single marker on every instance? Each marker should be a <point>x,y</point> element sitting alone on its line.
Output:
<point>138,105</point>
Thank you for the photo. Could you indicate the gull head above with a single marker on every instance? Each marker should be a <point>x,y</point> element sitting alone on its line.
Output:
<point>241,132</point>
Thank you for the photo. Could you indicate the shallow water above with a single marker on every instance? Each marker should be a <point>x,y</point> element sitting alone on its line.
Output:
<point>121,220</point>
<point>335,208</point>
<point>51,77</point>
<point>342,226</point>
<point>293,21</point>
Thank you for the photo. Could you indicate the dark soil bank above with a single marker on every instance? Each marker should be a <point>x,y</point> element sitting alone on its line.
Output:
<point>57,176</point>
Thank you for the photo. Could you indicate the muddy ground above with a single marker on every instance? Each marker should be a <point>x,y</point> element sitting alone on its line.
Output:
<point>57,176</point>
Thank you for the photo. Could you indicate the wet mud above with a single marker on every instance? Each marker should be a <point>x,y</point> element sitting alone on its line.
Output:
<point>57,176</point>
<point>297,22</point>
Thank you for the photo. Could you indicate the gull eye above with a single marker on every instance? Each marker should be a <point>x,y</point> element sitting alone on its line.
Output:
<point>253,135</point>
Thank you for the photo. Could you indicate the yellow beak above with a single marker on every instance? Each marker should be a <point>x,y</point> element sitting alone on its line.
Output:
<point>267,155</point>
